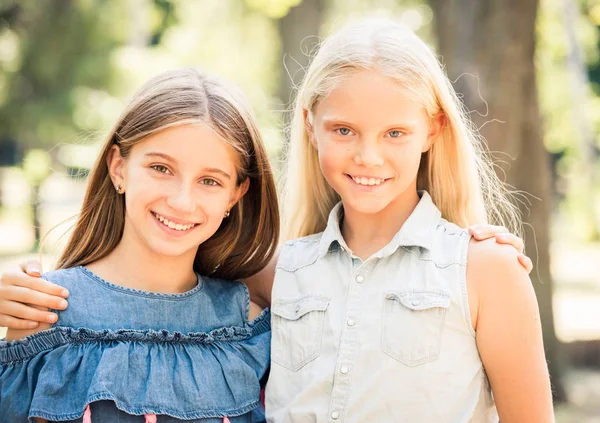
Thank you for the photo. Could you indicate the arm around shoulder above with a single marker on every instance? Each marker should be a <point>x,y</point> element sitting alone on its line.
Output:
<point>508,333</point>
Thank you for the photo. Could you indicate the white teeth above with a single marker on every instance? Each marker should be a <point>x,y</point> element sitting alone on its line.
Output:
<point>367,181</point>
<point>172,225</point>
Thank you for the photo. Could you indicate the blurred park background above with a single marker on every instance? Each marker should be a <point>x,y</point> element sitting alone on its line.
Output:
<point>528,71</point>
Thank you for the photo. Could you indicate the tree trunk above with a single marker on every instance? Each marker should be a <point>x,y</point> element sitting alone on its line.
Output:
<point>580,91</point>
<point>489,46</point>
<point>298,31</point>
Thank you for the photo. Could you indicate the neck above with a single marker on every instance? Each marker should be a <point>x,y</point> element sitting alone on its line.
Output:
<point>132,265</point>
<point>365,234</point>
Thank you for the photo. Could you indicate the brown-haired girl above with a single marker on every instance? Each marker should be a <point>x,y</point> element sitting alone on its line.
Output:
<point>181,190</point>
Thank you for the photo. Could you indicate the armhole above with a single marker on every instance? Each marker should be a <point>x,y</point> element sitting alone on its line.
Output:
<point>246,306</point>
<point>462,277</point>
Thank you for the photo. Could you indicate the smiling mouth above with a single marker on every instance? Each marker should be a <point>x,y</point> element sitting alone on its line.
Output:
<point>173,225</point>
<point>367,181</point>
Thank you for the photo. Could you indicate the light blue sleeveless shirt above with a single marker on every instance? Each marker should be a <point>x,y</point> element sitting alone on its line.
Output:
<point>387,339</point>
<point>192,356</point>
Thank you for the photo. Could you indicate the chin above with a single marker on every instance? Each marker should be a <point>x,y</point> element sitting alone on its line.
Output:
<point>165,250</point>
<point>366,206</point>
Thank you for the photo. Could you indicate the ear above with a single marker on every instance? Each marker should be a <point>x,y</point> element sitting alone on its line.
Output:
<point>309,128</point>
<point>436,125</point>
<point>116,166</point>
<point>239,192</point>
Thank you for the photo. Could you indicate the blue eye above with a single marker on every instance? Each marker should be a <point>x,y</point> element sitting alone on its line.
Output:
<point>395,134</point>
<point>343,131</point>
<point>160,168</point>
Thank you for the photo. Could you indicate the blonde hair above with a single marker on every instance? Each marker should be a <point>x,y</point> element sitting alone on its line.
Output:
<point>246,240</point>
<point>456,171</point>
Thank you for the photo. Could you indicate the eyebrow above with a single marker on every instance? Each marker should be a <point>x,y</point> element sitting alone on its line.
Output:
<point>206,169</point>
<point>339,120</point>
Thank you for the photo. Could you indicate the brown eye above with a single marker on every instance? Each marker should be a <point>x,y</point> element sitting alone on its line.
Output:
<point>210,182</point>
<point>160,168</point>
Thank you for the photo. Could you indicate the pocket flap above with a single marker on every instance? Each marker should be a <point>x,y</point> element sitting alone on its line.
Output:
<point>296,308</point>
<point>420,300</point>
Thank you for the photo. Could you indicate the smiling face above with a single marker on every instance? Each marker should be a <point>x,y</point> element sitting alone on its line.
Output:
<point>178,185</point>
<point>370,136</point>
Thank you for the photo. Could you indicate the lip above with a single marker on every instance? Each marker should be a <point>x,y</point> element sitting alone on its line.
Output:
<point>368,187</point>
<point>171,231</point>
<point>174,219</point>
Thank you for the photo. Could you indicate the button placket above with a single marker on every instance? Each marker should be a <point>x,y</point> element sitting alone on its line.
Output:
<point>348,343</point>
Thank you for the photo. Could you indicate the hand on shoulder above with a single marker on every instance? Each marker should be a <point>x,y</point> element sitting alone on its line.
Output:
<point>14,334</point>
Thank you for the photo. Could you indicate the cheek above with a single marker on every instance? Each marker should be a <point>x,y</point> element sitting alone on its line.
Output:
<point>214,202</point>
<point>406,158</point>
<point>333,155</point>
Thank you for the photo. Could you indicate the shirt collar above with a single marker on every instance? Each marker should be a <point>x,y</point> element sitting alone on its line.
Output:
<point>417,231</point>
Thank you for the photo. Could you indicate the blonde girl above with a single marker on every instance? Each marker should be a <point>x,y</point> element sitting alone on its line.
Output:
<point>383,308</point>
<point>180,202</point>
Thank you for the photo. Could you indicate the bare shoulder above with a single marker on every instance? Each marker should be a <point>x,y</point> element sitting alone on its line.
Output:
<point>490,263</point>
<point>494,274</point>
<point>260,285</point>
<point>254,311</point>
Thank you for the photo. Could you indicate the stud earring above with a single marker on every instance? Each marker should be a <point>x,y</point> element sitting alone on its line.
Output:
<point>227,214</point>
<point>118,188</point>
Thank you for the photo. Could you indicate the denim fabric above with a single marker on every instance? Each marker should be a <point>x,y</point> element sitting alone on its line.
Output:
<point>387,339</point>
<point>192,356</point>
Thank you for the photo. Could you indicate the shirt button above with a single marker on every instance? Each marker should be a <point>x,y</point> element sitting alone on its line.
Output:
<point>350,322</point>
<point>344,370</point>
<point>360,279</point>
<point>416,302</point>
<point>335,415</point>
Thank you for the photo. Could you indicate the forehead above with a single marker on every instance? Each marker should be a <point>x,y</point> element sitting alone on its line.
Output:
<point>369,96</point>
<point>193,144</point>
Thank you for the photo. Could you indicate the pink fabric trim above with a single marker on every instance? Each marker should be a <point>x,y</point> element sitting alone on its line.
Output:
<point>226,420</point>
<point>87,414</point>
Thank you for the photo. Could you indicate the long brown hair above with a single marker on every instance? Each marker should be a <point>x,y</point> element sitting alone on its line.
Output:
<point>246,241</point>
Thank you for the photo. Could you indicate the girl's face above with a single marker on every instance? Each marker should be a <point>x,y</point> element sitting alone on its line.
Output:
<point>178,185</point>
<point>370,136</point>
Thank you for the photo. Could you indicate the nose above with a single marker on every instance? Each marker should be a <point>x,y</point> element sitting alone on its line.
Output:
<point>182,200</point>
<point>369,154</point>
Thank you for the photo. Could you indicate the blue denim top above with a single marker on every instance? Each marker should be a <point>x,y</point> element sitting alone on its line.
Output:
<point>192,356</point>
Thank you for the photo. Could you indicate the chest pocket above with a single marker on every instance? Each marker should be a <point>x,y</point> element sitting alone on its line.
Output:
<point>297,330</point>
<point>412,325</point>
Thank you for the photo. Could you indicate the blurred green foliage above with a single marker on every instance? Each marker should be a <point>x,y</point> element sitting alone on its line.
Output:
<point>67,66</point>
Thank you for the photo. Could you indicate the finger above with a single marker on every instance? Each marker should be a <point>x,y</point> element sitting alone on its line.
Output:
<point>31,267</point>
<point>481,232</point>
<point>510,239</point>
<point>26,312</point>
<point>526,262</point>
<point>33,283</point>
<point>35,298</point>
<point>14,323</point>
